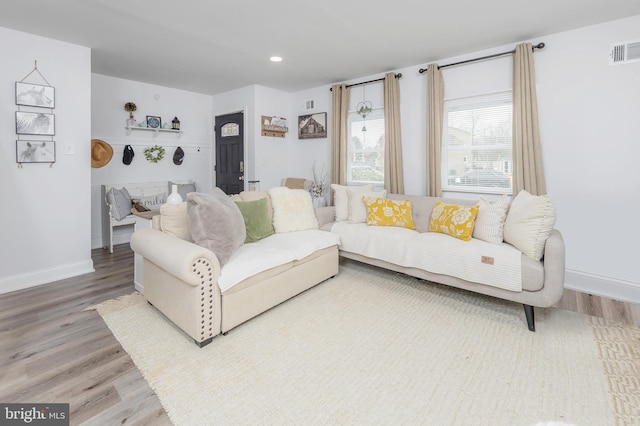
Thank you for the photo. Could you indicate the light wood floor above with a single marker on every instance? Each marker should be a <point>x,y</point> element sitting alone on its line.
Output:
<point>51,351</point>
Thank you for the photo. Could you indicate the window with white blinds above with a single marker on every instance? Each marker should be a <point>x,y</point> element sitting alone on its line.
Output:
<point>477,144</point>
<point>365,151</point>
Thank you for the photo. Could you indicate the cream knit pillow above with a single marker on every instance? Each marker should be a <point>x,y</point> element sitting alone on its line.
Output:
<point>490,220</point>
<point>341,198</point>
<point>292,210</point>
<point>530,221</point>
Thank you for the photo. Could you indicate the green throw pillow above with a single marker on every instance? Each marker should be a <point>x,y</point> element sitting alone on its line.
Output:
<point>256,219</point>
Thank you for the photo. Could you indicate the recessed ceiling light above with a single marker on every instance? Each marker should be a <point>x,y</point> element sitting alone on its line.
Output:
<point>275,59</point>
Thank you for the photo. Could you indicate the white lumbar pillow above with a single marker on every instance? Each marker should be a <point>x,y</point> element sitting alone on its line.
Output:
<point>357,207</point>
<point>341,198</point>
<point>490,220</point>
<point>292,210</point>
<point>529,222</point>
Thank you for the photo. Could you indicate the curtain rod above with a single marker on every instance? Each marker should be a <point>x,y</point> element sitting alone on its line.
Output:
<point>495,55</point>
<point>367,82</point>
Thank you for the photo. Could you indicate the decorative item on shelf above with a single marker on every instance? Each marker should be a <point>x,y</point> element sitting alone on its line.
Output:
<point>154,122</point>
<point>364,108</point>
<point>143,124</point>
<point>318,187</point>
<point>166,126</point>
<point>274,126</point>
<point>175,123</point>
<point>174,197</point>
<point>130,107</point>
<point>154,153</point>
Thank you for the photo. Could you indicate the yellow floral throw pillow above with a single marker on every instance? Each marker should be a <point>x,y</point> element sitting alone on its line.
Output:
<point>454,220</point>
<point>386,212</point>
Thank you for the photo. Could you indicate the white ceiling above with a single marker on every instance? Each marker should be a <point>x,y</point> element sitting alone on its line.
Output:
<point>215,46</point>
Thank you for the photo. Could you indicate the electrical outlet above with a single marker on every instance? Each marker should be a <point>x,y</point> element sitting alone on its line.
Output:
<point>487,260</point>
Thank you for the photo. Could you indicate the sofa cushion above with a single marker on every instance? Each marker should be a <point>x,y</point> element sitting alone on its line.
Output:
<point>453,219</point>
<point>357,207</point>
<point>120,202</point>
<point>529,223</point>
<point>490,220</point>
<point>292,210</point>
<point>216,223</point>
<point>174,220</point>
<point>386,212</point>
<point>341,198</point>
<point>256,219</point>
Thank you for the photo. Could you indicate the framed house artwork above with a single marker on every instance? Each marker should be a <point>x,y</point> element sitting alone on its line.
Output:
<point>35,151</point>
<point>35,95</point>
<point>312,126</point>
<point>35,123</point>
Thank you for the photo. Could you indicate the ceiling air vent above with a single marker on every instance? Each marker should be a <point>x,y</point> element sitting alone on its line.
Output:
<point>624,53</point>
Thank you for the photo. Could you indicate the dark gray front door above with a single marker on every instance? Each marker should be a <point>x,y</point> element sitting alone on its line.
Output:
<point>230,152</point>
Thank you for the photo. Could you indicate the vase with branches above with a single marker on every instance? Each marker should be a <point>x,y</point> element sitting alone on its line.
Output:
<point>318,185</point>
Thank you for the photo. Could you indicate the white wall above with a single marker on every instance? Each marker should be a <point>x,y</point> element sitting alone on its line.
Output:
<point>45,223</point>
<point>589,128</point>
<point>108,121</point>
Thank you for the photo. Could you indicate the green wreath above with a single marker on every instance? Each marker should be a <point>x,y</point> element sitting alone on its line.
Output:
<point>154,153</point>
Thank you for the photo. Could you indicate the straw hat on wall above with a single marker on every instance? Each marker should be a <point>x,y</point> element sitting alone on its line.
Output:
<point>101,153</point>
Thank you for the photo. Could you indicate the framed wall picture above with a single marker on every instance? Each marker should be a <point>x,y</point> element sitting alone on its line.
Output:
<point>35,123</point>
<point>312,126</point>
<point>36,95</point>
<point>154,122</point>
<point>35,152</point>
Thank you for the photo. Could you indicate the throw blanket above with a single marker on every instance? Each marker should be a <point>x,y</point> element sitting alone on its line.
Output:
<point>278,249</point>
<point>436,253</point>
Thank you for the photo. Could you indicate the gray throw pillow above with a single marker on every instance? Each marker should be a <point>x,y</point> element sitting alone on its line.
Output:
<point>216,223</point>
<point>120,202</point>
<point>183,189</point>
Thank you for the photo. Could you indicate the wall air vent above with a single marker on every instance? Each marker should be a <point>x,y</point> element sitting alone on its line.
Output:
<point>309,105</point>
<point>624,53</point>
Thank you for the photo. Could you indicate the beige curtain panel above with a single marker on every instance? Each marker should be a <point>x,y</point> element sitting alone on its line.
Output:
<point>435,119</point>
<point>393,170</point>
<point>339,112</point>
<point>528,172</point>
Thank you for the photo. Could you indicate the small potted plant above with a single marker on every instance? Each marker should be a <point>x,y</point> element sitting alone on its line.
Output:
<point>130,107</point>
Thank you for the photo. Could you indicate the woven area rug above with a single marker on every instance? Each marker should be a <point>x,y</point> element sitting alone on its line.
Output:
<point>374,347</point>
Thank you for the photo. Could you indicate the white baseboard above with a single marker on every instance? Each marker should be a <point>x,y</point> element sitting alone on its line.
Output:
<point>46,276</point>
<point>119,238</point>
<point>612,288</point>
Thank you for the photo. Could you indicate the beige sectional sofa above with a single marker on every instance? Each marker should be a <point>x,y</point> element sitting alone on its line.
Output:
<point>473,265</point>
<point>186,283</point>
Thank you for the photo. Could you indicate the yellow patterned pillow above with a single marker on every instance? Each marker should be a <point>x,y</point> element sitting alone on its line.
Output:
<point>385,212</point>
<point>454,220</point>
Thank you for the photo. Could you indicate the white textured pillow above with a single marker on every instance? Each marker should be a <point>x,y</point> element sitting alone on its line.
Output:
<point>490,220</point>
<point>120,202</point>
<point>292,210</point>
<point>341,198</point>
<point>357,207</point>
<point>530,221</point>
<point>174,220</point>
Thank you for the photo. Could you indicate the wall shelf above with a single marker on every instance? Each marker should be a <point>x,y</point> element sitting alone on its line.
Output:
<point>149,129</point>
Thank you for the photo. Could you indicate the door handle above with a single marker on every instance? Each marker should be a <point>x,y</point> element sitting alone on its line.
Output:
<point>240,177</point>
<point>242,166</point>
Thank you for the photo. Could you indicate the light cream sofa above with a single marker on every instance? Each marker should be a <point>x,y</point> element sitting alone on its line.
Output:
<point>542,281</point>
<point>182,279</point>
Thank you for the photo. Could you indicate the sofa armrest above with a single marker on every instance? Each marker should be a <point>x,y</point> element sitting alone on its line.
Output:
<point>174,255</point>
<point>554,263</point>
<point>325,215</point>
